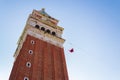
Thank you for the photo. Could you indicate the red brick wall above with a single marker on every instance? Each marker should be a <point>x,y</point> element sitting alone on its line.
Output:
<point>47,62</point>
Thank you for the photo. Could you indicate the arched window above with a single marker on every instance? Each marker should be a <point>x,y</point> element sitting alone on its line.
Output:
<point>53,33</point>
<point>42,28</point>
<point>28,64</point>
<point>32,42</point>
<point>47,31</point>
<point>30,51</point>
<point>37,26</point>
<point>26,78</point>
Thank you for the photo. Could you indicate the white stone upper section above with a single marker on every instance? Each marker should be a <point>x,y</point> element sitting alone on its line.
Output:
<point>33,23</point>
<point>44,36</point>
<point>38,18</point>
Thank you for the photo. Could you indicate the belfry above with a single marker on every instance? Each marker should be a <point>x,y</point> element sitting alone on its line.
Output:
<point>40,51</point>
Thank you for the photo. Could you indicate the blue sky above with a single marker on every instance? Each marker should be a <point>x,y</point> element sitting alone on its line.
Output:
<point>92,28</point>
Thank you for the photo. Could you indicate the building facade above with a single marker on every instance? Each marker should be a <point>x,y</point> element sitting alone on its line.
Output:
<point>40,52</point>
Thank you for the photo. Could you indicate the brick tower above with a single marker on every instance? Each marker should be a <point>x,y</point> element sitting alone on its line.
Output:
<point>40,52</point>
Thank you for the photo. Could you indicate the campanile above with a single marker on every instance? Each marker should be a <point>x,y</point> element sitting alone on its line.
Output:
<point>40,52</point>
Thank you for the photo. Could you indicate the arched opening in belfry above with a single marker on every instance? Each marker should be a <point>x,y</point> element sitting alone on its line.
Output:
<point>53,33</point>
<point>37,26</point>
<point>42,28</point>
<point>48,31</point>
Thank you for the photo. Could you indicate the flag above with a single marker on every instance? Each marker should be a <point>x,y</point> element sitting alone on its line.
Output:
<point>71,50</point>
